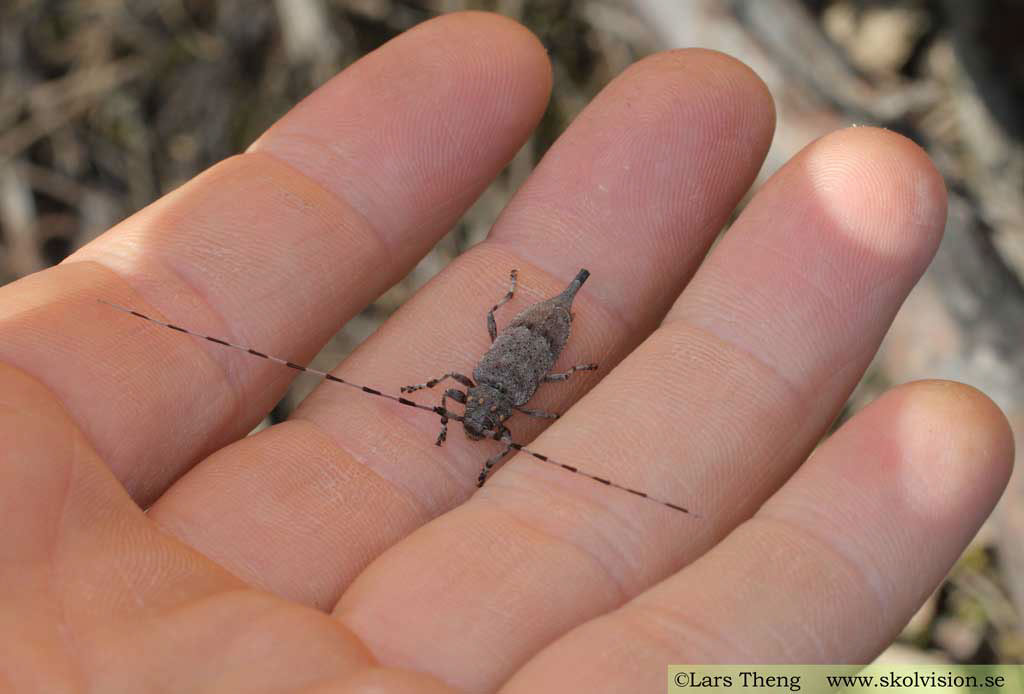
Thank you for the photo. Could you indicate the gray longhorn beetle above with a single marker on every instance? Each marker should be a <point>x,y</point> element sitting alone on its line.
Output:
<point>519,360</point>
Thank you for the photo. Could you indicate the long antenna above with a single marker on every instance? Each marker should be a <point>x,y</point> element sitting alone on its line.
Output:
<point>438,410</point>
<point>543,458</point>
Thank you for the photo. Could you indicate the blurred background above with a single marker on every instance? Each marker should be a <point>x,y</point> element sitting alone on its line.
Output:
<point>106,105</point>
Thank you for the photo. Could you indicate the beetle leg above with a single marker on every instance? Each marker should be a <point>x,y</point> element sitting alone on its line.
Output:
<point>492,327</point>
<point>539,413</point>
<point>454,375</point>
<point>566,374</point>
<point>457,396</point>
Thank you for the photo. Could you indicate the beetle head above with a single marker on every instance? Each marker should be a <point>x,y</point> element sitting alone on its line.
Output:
<point>486,410</point>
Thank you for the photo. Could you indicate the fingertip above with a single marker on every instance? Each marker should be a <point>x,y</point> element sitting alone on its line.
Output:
<point>928,458</point>
<point>870,524</point>
<point>958,445</point>
<point>729,97</point>
<point>507,38</point>
<point>656,162</point>
<point>409,134</point>
<point>881,189</point>
<point>718,69</point>
<point>491,53</point>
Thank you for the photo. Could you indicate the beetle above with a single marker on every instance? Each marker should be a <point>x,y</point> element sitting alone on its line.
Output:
<point>519,360</point>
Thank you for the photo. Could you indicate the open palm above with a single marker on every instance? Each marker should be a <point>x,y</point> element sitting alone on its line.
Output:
<point>340,551</point>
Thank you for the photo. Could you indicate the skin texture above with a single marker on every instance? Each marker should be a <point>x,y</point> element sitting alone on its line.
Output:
<point>341,551</point>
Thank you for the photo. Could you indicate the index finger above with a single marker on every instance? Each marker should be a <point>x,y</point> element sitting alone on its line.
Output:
<point>327,210</point>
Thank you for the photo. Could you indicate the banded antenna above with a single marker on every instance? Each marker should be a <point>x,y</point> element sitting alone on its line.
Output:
<point>438,410</point>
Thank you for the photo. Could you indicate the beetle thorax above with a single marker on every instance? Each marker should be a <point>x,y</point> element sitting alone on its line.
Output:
<point>487,408</point>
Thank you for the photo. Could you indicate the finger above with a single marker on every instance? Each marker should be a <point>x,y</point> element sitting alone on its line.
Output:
<point>720,404</point>
<point>81,564</point>
<point>627,202</point>
<point>276,248</point>
<point>847,551</point>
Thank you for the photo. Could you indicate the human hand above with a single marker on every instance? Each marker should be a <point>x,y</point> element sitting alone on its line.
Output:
<point>297,558</point>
